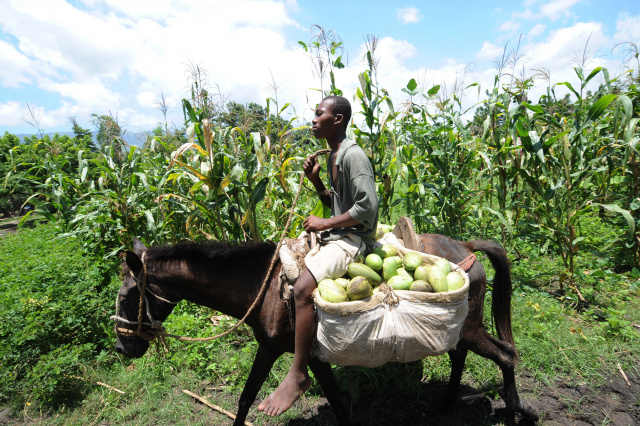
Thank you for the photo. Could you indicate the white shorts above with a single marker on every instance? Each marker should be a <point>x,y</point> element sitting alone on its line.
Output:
<point>330,259</point>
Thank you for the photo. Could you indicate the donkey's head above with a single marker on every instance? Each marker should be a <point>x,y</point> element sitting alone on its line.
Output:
<point>155,304</point>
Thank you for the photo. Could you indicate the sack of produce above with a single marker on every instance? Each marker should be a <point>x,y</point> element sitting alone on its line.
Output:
<point>395,325</point>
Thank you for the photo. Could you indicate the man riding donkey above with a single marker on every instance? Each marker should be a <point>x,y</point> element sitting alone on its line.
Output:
<point>350,231</point>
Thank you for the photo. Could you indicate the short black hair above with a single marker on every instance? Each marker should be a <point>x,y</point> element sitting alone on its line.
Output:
<point>340,105</point>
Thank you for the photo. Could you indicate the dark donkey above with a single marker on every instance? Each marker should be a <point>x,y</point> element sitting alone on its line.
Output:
<point>227,278</point>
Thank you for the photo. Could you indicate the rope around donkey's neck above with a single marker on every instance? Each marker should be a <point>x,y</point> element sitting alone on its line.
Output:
<point>161,333</point>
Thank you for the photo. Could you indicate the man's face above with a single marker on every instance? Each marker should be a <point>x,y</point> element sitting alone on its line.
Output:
<point>324,123</point>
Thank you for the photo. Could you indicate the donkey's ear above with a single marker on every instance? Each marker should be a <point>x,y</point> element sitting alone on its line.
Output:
<point>134,263</point>
<point>138,247</point>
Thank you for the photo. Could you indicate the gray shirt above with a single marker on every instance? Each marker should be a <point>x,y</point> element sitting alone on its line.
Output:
<point>354,192</point>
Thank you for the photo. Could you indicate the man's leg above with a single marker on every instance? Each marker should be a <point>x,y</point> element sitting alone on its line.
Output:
<point>297,381</point>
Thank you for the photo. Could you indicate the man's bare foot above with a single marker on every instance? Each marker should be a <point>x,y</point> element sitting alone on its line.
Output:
<point>282,398</point>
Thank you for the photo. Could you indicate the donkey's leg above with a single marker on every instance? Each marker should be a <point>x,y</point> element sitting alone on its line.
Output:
<point>503,354</point>
<point>265,358</point>
<point>327,380</point>
<point>458,357</point>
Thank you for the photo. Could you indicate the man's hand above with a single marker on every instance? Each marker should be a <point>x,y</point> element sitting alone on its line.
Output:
<point>311,168</point>
<point>315,224</point>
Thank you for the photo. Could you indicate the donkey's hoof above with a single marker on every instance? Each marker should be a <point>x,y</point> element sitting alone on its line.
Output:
<point>529,411</point>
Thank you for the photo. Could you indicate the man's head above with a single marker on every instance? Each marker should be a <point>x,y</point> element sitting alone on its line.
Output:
<point>332,115</point>
<point>340,106</point>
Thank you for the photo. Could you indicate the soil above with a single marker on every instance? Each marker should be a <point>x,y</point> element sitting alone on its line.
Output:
<point>615,402</point>
<point>9,225</point>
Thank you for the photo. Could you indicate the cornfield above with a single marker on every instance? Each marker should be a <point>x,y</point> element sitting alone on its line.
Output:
<point>519,169</point>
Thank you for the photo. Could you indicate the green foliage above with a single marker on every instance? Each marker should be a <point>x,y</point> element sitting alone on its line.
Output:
<point>108,131</point>
<point>13,191</point>
<point>556,181</point>
<point>54,318</point>
<point>45,172</point>
<point>325,51</point>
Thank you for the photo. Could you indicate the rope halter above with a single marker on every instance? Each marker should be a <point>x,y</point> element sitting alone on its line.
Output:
<point>156,327</point>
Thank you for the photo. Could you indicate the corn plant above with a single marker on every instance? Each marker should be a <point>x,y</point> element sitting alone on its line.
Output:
<point>378,138</point>
<point>440,189</point>
<point>325,50</point>
<point>561,166</point>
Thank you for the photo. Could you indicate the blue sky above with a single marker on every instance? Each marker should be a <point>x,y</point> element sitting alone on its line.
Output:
<point>75,58</point>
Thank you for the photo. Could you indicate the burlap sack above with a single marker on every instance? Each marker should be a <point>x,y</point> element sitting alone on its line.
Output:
<point>400,326</point>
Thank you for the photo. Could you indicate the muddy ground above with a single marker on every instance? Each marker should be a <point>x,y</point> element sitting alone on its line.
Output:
<point>615,402</point>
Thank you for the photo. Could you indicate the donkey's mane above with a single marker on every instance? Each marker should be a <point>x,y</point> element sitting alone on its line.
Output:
<point>211,251</point>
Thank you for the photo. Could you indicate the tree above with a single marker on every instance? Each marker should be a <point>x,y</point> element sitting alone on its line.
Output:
<point>83,136</point>
<point>171,139</point>
<point>251,118</point>
<point>107,128</point>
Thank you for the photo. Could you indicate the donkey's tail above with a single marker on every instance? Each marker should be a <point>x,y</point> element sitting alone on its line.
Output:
<point>502,287</point>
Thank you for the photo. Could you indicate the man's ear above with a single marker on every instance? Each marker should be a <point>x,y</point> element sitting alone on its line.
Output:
<point>138,247</point>
<point>134,263</point>
<point>339,119</point>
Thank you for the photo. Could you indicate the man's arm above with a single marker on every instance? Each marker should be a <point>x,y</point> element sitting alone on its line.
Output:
<point>311,168</point>
<point>315,223</point>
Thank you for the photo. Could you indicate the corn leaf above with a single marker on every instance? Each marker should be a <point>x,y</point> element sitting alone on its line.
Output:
<point>614,208</point>
<point>599,107</point>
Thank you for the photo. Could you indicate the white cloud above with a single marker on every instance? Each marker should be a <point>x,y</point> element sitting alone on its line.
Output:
<point>489,51</point>
<point>409,15</point>
<point>138,9</point>
<point>119,55</point>
<point>553,9</point>
<point>562,46</point>
<point>627,28</point>
<point>11,113</point>
<point>86,56</point>
<point>557,53</point>
<point>527,14</point>
<point>395,50</point>
<point>146,98</point>
<point>536,30</point>
<point>394,73</point>
<point>509,26</point>
<point>562,51</point>
<point>556,8</point>
<point>15,67</point>
<point>89,94</point>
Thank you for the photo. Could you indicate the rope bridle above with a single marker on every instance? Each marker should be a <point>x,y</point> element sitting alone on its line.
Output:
<point>156,329</point>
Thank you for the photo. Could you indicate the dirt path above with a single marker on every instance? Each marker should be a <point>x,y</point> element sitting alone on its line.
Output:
<point>9,225</point>
<point>616,403</point>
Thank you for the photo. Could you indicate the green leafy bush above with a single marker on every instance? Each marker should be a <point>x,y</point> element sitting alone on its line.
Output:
<point>54,305</point>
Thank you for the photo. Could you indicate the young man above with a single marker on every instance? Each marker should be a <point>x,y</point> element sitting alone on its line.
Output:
<point>348,232</point>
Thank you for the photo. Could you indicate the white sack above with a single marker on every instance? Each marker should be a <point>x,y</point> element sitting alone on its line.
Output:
<point>384,329</point>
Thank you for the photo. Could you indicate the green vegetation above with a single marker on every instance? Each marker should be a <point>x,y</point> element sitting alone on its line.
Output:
<point>54,299</point>
<point>50,370</point>
<point>555,181</point>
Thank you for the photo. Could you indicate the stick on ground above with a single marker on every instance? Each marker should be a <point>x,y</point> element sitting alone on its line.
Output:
<point>213,406</point>
<point>623,375</point>
<point>109,387</point>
